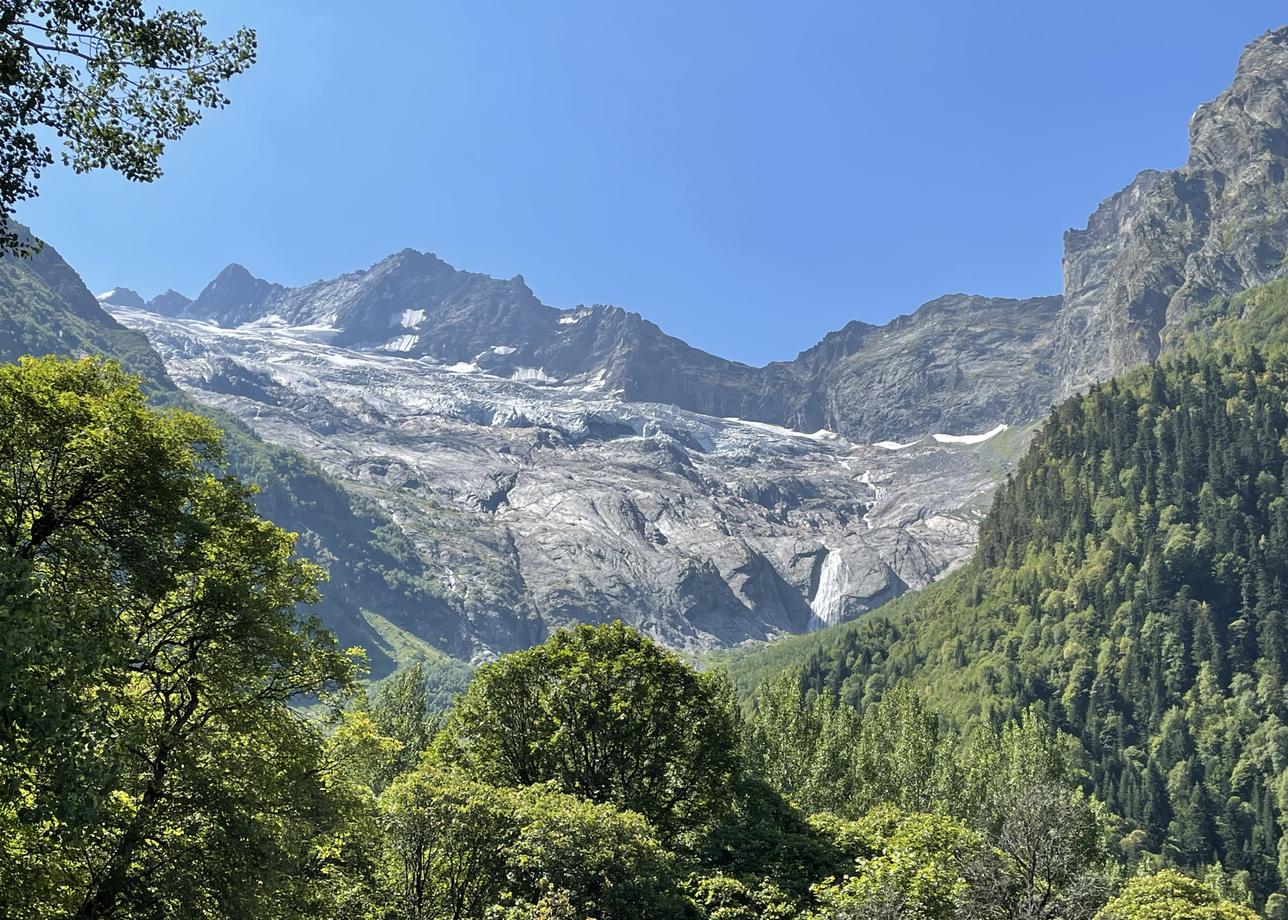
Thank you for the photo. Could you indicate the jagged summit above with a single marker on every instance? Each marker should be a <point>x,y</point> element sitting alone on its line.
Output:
<point>122,297</point>
<point>234,297</point>
<point>169,303</point>
<point>1156,253</point>
<point>415,304</point>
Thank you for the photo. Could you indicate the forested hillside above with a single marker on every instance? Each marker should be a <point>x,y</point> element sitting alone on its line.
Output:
<point>1130,585</point>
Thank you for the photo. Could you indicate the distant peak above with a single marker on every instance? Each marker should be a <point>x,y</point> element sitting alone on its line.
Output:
<point>412,259</point>
<point>235,271</point>
<point>122,297</point>
<point>169,303</point>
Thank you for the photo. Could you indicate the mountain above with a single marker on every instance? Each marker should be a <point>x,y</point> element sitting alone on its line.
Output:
<point>550,465</point>
<point>168,303</point>
<point>1130,585</point>
<point>1153,256</point>
<point>45,308</point>
<point>531,502</point>
<point>121,296</point>
<point>955,363</point>
<point>1140,274</point>
<point>479,512</point>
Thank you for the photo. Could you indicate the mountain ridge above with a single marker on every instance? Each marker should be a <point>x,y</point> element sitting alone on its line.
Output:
<point>417,304</point>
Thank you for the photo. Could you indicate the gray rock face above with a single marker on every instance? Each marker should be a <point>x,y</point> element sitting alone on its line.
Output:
<point>1154,255</point>
<point>957,362</point>
<point>536,504</point>
<point>169,303</point>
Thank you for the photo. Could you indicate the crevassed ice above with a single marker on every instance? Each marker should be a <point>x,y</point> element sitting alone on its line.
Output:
<point>532,375</point>
<point>402,343</point>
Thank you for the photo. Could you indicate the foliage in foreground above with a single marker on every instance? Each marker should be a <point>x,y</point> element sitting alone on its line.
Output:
<point>112,79</point>
<point>151,764</point>
<point>149,647</point>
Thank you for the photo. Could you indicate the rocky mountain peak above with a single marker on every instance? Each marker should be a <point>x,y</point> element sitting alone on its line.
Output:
<point>1154,255</point>
<point>169,303</point>
<point>234,297</point>
<point>122,297</point>
<point>1249,121</point>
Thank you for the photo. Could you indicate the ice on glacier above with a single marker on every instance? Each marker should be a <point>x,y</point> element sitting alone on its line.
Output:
<point>532,375</point>
<point>970,438</point>
<point>402,343</point>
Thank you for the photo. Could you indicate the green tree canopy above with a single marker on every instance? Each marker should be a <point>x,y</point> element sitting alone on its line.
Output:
<point>149,646</point>
<point>1169,895</point>
<point>607,715</point>
<point>461,848</point>
<point>113,79</point>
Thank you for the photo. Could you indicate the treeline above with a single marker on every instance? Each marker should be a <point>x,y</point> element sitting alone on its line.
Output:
<point>1130,587</point>
<point>152,764</point>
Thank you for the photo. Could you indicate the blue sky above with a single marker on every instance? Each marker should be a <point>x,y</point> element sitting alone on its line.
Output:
<point>748,175</point>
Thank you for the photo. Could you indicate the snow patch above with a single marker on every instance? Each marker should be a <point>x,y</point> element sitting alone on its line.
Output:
<point>503,349</point>
<point>408,319</point>
<point>895,445</point>
<point>577,317</point>
<point>402,343</point>
<point>821,435</point>
<point>969,438</point>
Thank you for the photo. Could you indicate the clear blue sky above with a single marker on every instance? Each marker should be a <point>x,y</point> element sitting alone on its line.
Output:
<point>749,175</point>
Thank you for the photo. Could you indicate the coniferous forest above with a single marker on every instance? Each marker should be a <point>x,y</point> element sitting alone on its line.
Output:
<point>1129,591</point>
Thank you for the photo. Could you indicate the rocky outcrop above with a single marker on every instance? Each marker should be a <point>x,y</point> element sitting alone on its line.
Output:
<point>1156,254</point>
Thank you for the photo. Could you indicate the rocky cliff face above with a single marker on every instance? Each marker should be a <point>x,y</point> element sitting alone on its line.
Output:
<point>1154,255</point>
<point>531,504</point>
